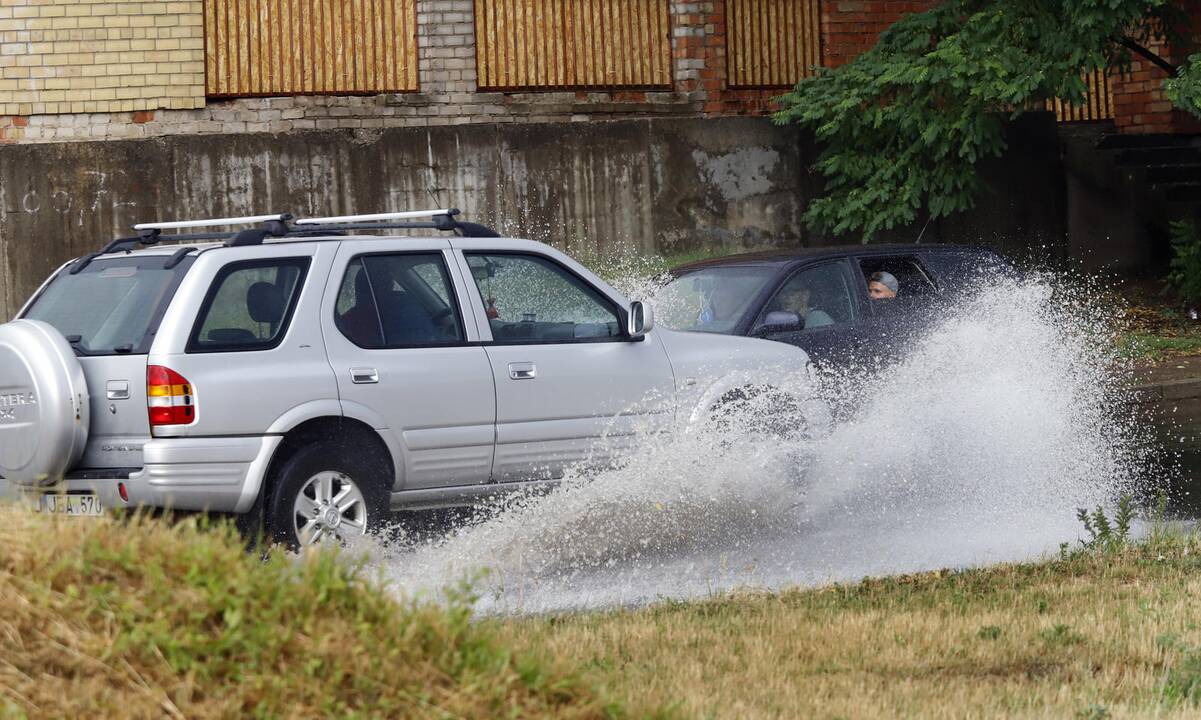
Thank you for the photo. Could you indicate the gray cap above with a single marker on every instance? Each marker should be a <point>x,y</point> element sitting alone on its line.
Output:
<point>886,279</point>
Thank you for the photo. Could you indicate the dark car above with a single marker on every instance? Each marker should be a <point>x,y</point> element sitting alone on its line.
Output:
<point>818,299</point>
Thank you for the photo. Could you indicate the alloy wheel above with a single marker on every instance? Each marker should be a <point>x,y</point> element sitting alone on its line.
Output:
<point>329,504</point>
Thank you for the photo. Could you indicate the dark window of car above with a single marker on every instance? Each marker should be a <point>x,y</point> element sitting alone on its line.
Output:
<point>113,306</point>
<point>532,299</point>
<point>912,278</point>
<point>711,299</point>
<point>959,271</point>
<point>249,306</point>
<point>819,296</point>
<point>400,300</point>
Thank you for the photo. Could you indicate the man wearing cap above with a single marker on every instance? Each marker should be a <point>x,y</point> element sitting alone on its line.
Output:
<point>882,286</point>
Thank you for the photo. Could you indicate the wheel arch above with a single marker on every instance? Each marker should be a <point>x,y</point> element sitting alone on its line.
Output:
<point>353,432</point>
<point>815,410</point>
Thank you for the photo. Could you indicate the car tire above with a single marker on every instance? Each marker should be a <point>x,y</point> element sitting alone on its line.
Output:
<point>326,491</point>
<point>762,410</point>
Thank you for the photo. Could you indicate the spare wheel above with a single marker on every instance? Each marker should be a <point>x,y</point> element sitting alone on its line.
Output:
<point>43,403</point>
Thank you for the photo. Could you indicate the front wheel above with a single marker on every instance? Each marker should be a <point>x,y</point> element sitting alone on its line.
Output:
<point>322,494</point>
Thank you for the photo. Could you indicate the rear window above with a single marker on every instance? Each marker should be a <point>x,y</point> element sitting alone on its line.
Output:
<point>112,307</point>
<point>249,306</point>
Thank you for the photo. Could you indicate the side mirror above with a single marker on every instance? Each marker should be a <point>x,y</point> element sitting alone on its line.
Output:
<point>781,321</point>
<point>640,321</point>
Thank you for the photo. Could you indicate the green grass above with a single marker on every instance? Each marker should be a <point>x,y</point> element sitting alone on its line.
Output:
<point>1157,347</point>
<point>145,618</point>
<point>1113,631</point>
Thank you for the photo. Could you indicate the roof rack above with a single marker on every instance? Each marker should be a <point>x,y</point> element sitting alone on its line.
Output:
<point>378,217</point>
<point>441,219</point>
<point>277,225</point>
<point>213,222</point>
<point>151,234</point>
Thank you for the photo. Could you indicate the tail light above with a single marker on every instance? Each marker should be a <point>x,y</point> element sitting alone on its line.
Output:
<point>168,397</point>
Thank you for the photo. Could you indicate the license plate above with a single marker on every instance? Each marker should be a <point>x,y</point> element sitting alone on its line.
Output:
<point>85,505</point>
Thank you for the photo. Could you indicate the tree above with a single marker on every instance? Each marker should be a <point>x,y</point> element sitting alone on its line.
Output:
<point>904,124</point>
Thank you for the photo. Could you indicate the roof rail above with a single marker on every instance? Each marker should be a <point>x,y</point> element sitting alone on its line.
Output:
<point>441,219</point>
<point>277,225</point>
<point>213,222</point>
<point>378,217</point>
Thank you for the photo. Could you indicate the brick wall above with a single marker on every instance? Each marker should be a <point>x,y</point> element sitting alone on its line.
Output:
<point>93,56</point>
<point>851,27</point>
<point>1140,105</point>
<point>448,95</point>
<point>86,69</point>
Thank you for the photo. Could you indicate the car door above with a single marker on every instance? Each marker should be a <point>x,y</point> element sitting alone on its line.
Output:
<point>825,298</point>
<point>406,354</point>
<point>566,375</point>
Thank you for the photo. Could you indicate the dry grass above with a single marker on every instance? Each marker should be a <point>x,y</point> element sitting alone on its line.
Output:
<point>145,619</point>
<point>1095,635</point>
<point>140,618</point>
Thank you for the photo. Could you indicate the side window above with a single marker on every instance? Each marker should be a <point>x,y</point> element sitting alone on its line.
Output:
<point>249,306</point>
<point>531,299</point>
<point>910,277</point>
<point>397,301</point>
<point>820,296</point>
<point>963,271</point>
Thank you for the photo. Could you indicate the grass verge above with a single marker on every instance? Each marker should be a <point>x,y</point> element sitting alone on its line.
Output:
<point>143,618</point>
<point>1095,634</point>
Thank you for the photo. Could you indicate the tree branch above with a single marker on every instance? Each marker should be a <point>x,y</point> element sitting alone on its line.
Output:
<point>1154,59</point>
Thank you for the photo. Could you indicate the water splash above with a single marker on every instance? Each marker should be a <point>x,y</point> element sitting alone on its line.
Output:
<point>975,448</point>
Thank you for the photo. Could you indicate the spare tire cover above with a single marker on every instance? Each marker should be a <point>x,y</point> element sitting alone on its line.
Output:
<point>43,403</point>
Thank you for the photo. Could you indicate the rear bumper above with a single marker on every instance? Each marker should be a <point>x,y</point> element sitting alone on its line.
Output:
<point>222,474</point>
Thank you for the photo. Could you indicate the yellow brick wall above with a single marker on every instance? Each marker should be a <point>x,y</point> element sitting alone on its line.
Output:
<point>95,56</point>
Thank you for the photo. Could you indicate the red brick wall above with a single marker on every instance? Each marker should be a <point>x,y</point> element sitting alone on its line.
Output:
<point>848,28</point>
<point>1140,105</point>
<point>705,44</point>
<point>851,27</point>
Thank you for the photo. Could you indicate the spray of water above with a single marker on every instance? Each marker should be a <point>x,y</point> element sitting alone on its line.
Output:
<point>976,447</point>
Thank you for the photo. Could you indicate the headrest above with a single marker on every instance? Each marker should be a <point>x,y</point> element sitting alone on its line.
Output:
<point>265,301</point>
<point>362,287</point>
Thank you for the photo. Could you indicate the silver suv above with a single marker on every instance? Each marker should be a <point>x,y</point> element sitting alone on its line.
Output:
<point>318,373</point>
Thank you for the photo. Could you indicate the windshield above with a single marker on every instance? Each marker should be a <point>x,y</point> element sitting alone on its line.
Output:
<point>711,299</point>
<point>112,306</point>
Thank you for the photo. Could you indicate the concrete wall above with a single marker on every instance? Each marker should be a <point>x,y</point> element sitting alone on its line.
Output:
<point>665,185</point>
<point>652,184</point>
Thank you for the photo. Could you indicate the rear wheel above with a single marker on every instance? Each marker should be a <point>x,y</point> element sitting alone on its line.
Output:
<point>325,493</point>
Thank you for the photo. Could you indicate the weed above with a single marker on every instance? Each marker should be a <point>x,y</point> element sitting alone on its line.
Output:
<point>1061,634</point>
<point>1105,534</point>
<point>989,632</point>
<point>1182,682</point>
<point>1184,276</point>
<point>1095,711</point>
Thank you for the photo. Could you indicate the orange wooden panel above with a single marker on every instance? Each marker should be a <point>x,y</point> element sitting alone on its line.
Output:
<point>771,43</point>
<point>306,47</point>
<point>567,44</point>
<point>1097,105</point>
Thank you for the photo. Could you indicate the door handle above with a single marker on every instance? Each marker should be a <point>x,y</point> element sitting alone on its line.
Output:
<point>117,390</point>
<point>522,371</point>
<point>364,376</point>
